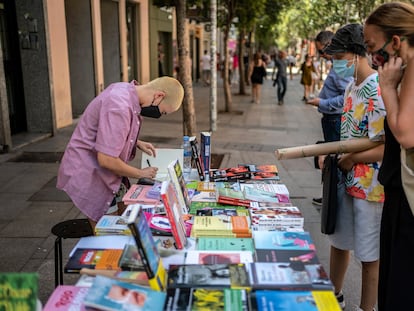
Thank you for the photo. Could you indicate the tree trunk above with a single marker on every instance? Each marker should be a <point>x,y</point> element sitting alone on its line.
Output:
<point>242,81</point>
<point>184,74</point>
<point>226,85</point>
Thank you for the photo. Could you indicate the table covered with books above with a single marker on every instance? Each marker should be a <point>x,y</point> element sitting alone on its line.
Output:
<point>226,239</point>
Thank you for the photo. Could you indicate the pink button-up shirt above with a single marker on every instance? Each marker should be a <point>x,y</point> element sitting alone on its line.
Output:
<point>110,125</point>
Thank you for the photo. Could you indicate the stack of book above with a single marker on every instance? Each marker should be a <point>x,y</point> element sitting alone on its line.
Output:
<point>244,250</point>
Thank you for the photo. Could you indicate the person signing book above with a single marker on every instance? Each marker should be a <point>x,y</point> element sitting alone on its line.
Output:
<point>94,169</point>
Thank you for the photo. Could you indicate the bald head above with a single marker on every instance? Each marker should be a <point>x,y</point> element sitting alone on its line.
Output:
<point>172,88</point>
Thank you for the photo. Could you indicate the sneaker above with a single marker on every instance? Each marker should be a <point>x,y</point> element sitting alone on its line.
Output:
<point>317,201</point>
<point>341,300</point>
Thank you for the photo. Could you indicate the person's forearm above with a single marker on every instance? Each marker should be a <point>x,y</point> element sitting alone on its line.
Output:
<point>369,156</point>
<point>118,167</point>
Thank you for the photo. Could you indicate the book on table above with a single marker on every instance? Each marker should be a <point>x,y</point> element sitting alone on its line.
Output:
<point>294,275</point>
<point>230,193</point>
<point>283,240</point>
<point>227,244</point>
<point>223,225</point>
<point>112,224</point>
<point>196,206</point>
<point>163,157</point>
<point>214,299</point>
<point>311,300</point>
<point>262,172</point>
<point>196,157</point>
<point>272,217</point>
<point>113,295</point>
<point>205,151</point>
<point>140,194</point>
<point>174,213</point>
<point>207,276</point>
<point>211,257</point>
<point>67,298</point>
<point>147,249</point>
<point>176,177</point>
<point>93,258</point>
<point>229,174</point>
<point>130,259</point>
<point>19,291</point>
<point>286,255</point>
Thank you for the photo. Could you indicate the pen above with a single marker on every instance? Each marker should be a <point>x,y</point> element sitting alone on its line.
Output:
<point>148,162</point>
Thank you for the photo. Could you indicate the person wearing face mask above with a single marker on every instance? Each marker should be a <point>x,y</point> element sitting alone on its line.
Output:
<point>389,35</point>
<point>94,170</point>
<point>360,195</point>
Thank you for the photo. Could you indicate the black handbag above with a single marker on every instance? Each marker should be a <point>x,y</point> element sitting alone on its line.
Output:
<point>329,194</point>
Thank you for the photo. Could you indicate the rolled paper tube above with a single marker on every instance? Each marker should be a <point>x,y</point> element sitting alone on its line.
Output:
<point>346,146</point>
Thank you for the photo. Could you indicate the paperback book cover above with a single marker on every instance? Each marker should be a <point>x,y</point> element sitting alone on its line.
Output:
<point>139,194</point>
<point>289,275</point>
<point>225,244</point>
<point>195,206</point>
<point>91,257</point>
<point>18,291</point>
<point>286,255</point>
<point>204,196</point>
<point>196,156</point>
<point>258,195</point>
<point>278,189</point>
<point>229,174</point>
<point>267,218</point>
<point>211,257</point>
<point>217,275</point>
<point>199,299</point>
<point>283,240</point>
<point>230,193</point>
<point>147,249</point>
<point>174,214</point>
<point>228,226</point>
<point>205,151</point>
<point>264,300</point>
<point>206,186</point>
<point>262,172</point>
<point>177,179</point>
<point>67,298</point>
<point>207,211</point>
<point>113,295</point>
<point>130,259</point>
<point>112,224</point>
<point>159,224</point>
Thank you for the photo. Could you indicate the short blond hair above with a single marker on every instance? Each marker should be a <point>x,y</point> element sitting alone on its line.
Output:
<point>174,91</point>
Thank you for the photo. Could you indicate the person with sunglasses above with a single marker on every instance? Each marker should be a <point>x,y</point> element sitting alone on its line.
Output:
<point>389,35</point>
<point>331,97</point>
<point>94,170</point>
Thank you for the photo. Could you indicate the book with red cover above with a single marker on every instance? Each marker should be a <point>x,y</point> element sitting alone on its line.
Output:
<point>174,214</point>
<point>139,194</point>
<point>230,193</point>
<point>267,171</point>
<point>67,298</point>
<point>230,174</point>
<point>91,257</point>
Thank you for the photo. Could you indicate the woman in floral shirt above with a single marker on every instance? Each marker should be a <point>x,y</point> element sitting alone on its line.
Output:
<point>361,195</point>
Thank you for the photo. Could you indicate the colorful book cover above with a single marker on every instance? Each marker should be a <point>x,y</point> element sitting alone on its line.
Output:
<point>227,244</point>
<point>89,258</point>
<point>211,257</point>
<point>159,224</point>
<point>286,255</point>
<point>195,206</point>
<point>67,298</point>
<point>229,174</point>
<point>278,189</point>
<point>204,196</point>
<point>112,224</point>
<point>205,151</point>
<point>18,291</point>
<point>174,214</point>
<point>177,179</point>
<point>289,275</point>
<point>217,275</point>
<point>230,193</point>
<point>147,249</point>
<point>270,217</point>
<point>283,240</point>
<point>197,299</point>
<point>109,260</point>
<point>257,195</point>
<point>113,295</point>
<point>130,259</point>
<point>223,225</point>
<point>138,194</point>
<point>196,156</point>
<point>264,300</point>
<point>260,172</point>
<point>206,186</point>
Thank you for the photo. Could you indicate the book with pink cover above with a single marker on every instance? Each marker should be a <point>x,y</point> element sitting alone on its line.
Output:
<point>210,257</point>
<point>67,297</point>
<point>139,194</point>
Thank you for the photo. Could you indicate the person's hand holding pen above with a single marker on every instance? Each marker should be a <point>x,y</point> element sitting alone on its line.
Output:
<point>150,171</point>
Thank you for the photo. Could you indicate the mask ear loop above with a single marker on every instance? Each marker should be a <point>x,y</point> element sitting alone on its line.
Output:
<point>356,67</point>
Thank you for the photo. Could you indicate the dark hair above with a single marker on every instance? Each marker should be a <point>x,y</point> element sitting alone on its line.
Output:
<point>324,37</point>
<point>394,18</point>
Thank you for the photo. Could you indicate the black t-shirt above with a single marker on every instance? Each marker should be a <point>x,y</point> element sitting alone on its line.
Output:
<point>390,171</point>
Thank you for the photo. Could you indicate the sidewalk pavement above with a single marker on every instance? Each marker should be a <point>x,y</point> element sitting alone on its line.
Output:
<point>31,204</point>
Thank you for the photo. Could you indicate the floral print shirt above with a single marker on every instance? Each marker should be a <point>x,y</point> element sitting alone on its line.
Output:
<point>363,116</point>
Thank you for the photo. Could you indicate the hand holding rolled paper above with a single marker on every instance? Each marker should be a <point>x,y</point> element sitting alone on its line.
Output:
<point>346,146</point>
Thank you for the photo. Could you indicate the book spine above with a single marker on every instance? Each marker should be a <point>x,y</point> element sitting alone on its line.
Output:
<point>205,142</point>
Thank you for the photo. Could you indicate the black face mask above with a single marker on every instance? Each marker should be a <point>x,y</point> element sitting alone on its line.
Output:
<point>151,112</point>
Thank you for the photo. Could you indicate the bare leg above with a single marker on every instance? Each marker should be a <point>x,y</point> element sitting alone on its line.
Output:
<point>369,286</point>
<point>259,88</point>
<point>339,261</point>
